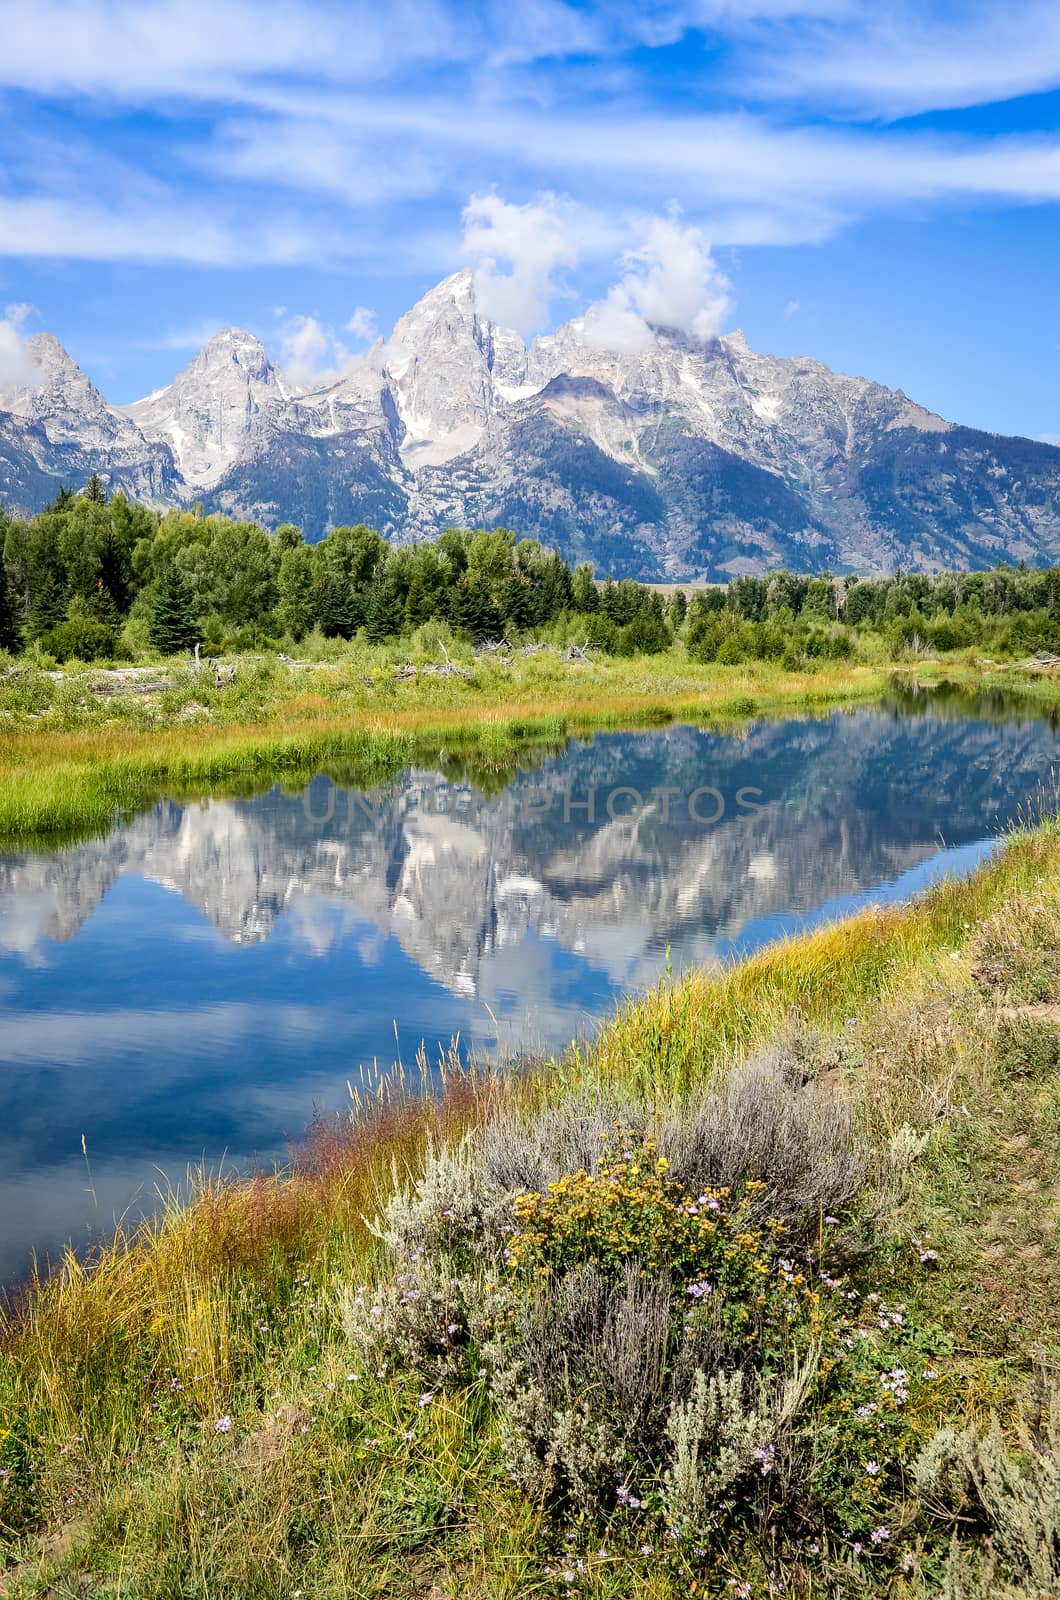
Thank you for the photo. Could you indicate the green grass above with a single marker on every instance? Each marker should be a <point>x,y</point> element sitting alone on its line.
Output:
<point>69,761</point>
<point>66,775</point>
<point>114,1376</point>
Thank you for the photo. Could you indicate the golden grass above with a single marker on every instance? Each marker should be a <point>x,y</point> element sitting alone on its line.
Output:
<point>53,780</point>
<point>375,1478</point>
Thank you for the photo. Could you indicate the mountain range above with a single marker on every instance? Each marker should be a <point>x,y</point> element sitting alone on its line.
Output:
<point>677,459</point>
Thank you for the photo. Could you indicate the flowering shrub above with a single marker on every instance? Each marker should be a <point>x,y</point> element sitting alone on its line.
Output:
<point>722,1266</point>
<point>664,1320</point>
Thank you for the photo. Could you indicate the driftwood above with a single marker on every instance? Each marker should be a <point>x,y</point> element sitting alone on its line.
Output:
<point>1044,661</point>
<point>493,647</point>
<point>406,670</point>
<point>106,691</point>
<point>450,670</point>
<point>578,652</point>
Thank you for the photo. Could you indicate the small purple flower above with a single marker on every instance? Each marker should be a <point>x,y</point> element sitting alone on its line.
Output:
<point>223,1425</point>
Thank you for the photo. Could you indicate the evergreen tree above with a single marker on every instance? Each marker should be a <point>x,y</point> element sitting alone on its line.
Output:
<point>10,629</point>
<point>63,500</point>
<point>47,603</point>
<point>585,594</point>
<point>419,603</point>
<point>384,614</point>
<point>172,624</point>
<point>474,610</point>
<point>95,490</point>
<point>338,613</point>
<point>555,586</point>
<point>678,610</point>
<point>519,604</point>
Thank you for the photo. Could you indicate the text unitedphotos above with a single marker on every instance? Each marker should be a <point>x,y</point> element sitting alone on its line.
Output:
<point>705,805</point>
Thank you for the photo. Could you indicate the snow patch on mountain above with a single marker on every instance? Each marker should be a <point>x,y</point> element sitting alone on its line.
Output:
<point>677,454</point>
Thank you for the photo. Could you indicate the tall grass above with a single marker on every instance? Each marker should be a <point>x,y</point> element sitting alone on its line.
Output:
<point>180,1407</point>
<point>70,774</point>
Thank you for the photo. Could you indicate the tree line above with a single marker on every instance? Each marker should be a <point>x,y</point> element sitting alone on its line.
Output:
<point>78,572</point>
<point>93,578</point>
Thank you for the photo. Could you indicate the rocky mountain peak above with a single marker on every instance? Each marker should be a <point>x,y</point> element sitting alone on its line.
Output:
<point>441,371</point>
<point>666,455</point>
<point>212,412</point>
<point>62,398</point>
<point>234,347</point>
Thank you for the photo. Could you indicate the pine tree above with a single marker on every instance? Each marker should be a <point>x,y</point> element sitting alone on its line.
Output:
<point>519,604</point>
<point>95,490</point>
<point>47,603</point>
<point>172,624</point>
<point>584,592</point>
<point>63,500</point>
<point>337,612</point>
<point>10,629</point>
<point>476,612</point>
<point>419,603</point>
<point>384,614</point>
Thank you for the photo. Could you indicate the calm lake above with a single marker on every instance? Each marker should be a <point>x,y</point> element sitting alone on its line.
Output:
<point>192,986</point>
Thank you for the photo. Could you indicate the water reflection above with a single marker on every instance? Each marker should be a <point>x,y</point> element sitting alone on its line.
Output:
<point>194,982</point>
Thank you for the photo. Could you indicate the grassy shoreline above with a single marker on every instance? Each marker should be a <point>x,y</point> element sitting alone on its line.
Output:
<point>71,771</point>
<point>54,780</point>
<point>179,1419</point>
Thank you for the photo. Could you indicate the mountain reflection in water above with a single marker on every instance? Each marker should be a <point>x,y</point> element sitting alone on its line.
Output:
<point>193,984</point>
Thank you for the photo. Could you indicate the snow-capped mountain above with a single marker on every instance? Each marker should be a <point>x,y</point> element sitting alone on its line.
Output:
<point>685,458</point>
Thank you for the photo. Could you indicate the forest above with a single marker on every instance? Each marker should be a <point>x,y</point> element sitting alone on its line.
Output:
<point>93,578</point>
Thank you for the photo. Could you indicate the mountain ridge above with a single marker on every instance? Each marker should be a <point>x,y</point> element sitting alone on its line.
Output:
<point>680,458</point>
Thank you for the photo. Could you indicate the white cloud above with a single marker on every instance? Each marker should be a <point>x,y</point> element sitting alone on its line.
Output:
<point>518,250</point>
<point>16,364</point>
<point>312,353</point>
<point>363,325</point>
<point>613,324</point>
<point>792,308</point>
<point>899,59</point>
<point>309,352</point>
<point>671,281</point>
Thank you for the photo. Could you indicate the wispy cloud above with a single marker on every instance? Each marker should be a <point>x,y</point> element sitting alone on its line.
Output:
<point>320,132</point>
<point>16,364</point>
<point>899,59</point>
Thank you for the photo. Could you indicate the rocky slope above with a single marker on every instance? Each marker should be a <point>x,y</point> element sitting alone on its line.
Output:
<point>683,459</point>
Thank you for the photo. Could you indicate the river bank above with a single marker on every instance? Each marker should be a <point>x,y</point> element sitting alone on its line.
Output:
<point>68,764</point>
<point>202,1411</point>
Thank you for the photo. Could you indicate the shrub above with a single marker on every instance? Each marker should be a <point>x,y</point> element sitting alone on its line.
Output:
<point>650,1294</point>
<point>81,639</point>
<point>967,1474</point>
<point>762,1123</point>
<point>644,636</point>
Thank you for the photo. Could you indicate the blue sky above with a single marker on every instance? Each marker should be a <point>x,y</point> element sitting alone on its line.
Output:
<point>874,184</point>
